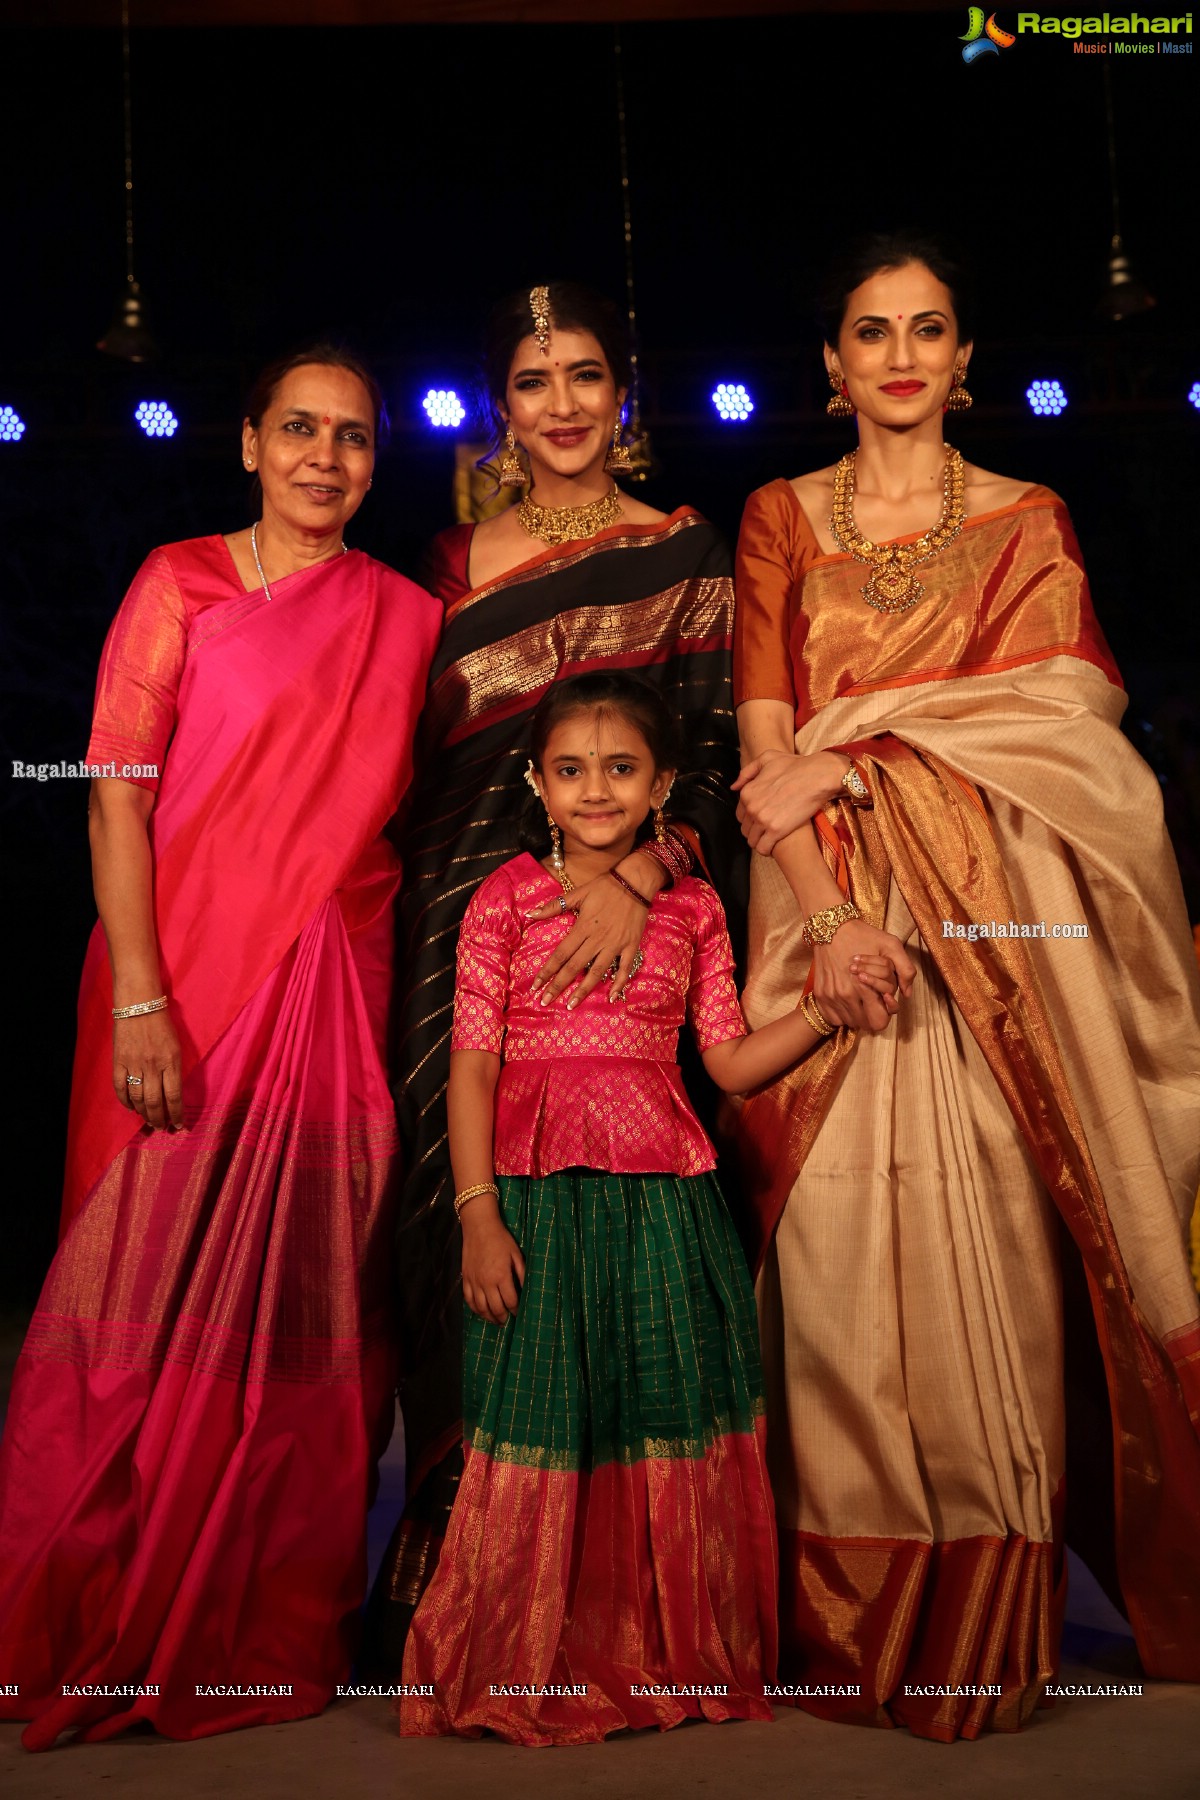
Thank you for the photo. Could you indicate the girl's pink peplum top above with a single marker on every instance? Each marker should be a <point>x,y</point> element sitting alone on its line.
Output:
<point>599,1087</point>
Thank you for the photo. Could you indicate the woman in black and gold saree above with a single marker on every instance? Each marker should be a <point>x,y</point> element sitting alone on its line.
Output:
<point>579,575</point>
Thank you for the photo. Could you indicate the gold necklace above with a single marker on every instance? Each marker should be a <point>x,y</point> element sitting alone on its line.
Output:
<point>566,524</point>
<point>893,587</point>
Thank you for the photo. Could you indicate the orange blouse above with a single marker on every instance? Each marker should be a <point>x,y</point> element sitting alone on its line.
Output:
<point>1010,589</point>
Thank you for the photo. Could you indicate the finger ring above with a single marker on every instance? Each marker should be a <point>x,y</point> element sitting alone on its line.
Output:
<point>133,1081</point>
<point>562,903</point>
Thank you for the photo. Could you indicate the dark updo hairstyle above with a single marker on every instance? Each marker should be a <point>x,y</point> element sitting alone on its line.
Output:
<point>573,307</point>
<point>882,250</point>
<point>606,691</point>
<point>328,356</point>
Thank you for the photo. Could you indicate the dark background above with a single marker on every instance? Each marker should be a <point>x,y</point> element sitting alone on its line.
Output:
<point>385,184</point>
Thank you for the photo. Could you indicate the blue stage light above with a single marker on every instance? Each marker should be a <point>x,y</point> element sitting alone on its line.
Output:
<point>1193,395</point>
<point>156,418</point>
<point>1047,398</point>
<point>444,408</point>
<point>732,401</point>
<point>12,425</point>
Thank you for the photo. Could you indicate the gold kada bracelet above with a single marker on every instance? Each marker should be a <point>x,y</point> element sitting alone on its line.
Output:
<point>473,1193</point>
<point>821,927</point>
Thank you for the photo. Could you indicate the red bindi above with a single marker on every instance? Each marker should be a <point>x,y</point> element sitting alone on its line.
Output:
<point>325,420</point>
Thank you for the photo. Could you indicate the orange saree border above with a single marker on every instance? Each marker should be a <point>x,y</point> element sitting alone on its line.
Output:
<point>893,1617</point>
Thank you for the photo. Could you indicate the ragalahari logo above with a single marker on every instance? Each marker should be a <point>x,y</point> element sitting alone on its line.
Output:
<point>983,39</point>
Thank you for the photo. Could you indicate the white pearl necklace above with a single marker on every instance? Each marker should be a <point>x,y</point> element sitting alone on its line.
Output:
<point>258,560</point>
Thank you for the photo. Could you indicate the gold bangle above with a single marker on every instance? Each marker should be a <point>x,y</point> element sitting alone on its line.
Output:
<point>142,1007</point>
<point>814,1018</point>
<point>473,1193</point>
<point>821,927</point>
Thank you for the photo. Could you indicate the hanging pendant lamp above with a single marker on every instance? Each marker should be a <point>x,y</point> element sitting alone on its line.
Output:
<point>127,336</point>
<point>641,458</point>
<point>1124,295</point>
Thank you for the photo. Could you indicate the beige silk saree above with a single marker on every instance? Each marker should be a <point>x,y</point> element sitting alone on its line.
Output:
<point>912,1189</point>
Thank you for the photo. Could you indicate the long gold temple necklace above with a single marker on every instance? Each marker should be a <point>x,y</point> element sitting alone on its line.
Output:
<point>893,586</point>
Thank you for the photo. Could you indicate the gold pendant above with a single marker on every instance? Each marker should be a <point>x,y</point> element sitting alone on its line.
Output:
<point>893,587</point>
<point>892,590</point>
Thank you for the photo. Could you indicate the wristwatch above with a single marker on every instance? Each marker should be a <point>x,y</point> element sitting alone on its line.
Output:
<point>856,787</point>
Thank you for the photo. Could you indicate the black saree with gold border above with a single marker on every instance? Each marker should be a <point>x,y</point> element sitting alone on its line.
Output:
<point>657,600</point>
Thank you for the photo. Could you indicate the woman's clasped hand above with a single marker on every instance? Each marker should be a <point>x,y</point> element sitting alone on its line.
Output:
<point>837,976</point>
<point>779,791</point>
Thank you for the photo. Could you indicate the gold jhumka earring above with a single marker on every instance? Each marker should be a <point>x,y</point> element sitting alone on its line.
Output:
<point>618,461</point>
<point>512,472</point>
<point>958,399</point>
<point>839,407</point>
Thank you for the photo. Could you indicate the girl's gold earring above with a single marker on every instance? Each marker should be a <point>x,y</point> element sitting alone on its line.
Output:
<point>660,824</point>
<point>556,851</point>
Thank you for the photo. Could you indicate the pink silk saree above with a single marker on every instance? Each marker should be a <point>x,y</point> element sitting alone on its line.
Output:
<point>207,1380</point>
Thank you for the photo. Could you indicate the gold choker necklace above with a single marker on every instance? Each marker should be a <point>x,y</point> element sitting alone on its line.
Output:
<point>893,587</point>
<point>566,524</point>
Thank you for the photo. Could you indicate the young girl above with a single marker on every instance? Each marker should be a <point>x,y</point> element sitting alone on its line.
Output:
<point>610,1560</point>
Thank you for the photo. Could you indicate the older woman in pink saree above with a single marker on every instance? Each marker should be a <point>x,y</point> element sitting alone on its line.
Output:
<point>207,1380</point>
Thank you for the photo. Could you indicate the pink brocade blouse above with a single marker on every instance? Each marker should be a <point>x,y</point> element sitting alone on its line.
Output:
<point>597,1088</point>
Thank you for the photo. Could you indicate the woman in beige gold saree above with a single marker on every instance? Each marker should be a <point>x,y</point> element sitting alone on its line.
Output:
<point>929,717</point>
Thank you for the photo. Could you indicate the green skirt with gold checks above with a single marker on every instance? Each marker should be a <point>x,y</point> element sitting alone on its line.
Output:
<point>610,1560</point>
<point>636,1334</point>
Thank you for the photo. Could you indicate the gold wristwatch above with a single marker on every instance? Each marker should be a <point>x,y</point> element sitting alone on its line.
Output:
<point>856,787</point>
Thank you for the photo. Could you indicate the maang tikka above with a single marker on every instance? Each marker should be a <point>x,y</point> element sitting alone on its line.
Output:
<point>539,306</point>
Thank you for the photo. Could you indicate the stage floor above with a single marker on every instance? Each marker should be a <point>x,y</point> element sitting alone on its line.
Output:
<point>1127,1746</point>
